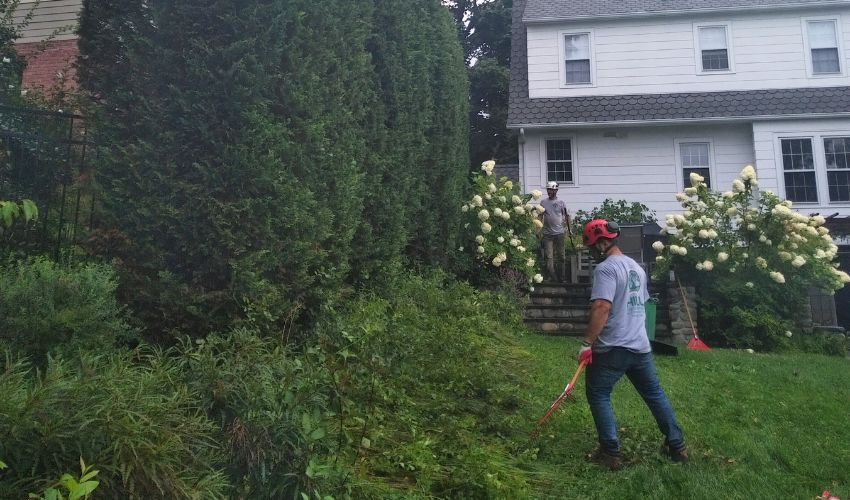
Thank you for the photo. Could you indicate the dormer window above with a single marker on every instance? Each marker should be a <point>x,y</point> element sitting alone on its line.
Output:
<point>822,37</point>
<point>714,54</point>
<point>577,70</point>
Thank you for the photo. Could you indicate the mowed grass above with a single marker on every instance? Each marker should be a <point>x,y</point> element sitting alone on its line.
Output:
<point>757,426</point>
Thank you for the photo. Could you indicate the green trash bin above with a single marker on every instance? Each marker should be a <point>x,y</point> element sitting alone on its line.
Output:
<point>650,306</point>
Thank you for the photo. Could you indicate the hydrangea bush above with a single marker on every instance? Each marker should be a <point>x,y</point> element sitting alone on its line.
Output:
<point>503,223</point>
<point>752,258</point>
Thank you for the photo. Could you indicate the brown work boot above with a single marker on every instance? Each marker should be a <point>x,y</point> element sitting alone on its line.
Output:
<point>605,459</point>
<point>679,455</point>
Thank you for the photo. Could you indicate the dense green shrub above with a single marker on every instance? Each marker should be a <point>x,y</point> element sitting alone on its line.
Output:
<point>47,308</point>
<point>126,412</point>
<point>819,342</point>
<point>431,380</point>
<point>245,149</point>
<point>620,211</point>
<point>274,411</point>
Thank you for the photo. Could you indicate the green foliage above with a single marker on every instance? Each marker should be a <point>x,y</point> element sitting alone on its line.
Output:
<point>75,488</point>
<point>752,258</point>
<point>10,211</point>
<point>127,411</point>
<point>274,157</point>
<point>421,421</point>
<point>502,225</point>
<point>620,211</point>
<point>11,64</point>
<point>273,410</point>
<point>47,308</point>
<point>819,342</point>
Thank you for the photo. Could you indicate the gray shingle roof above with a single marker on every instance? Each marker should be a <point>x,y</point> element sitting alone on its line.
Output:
<point>571,9</point>
<point>649,107</point>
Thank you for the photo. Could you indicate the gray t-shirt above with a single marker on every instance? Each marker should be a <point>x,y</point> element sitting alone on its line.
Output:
<point>553,216</point>
<point>622,282</point>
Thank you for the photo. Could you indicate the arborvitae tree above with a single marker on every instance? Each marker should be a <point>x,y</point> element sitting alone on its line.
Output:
<point>252,150</point>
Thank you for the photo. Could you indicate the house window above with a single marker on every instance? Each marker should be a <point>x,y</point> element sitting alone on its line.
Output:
<point>837,153</point>
<point>714,48</point>
<point>695,158</point>
<point>798,166</point>
<point>577,58</point>
<point>559,160</point>
<point>823,46</point>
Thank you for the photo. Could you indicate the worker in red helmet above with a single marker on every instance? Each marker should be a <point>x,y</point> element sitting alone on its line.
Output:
<point>615,343</point>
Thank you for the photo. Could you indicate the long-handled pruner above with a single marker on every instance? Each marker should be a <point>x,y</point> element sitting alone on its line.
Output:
<point>567,390</point>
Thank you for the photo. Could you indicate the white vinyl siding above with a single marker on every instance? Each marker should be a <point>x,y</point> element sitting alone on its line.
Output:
<point>656,56</point>
<point>713,51</point>
<point>824,54</point>
<point>635,164</point>
<point>51,18</point>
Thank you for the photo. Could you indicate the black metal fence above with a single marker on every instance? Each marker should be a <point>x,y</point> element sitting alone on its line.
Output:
<point>45,157</point>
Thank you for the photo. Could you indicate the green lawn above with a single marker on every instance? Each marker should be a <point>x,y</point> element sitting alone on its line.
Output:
<point>757,425</point>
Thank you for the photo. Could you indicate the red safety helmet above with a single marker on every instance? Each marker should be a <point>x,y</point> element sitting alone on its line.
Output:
<point>599,228</point>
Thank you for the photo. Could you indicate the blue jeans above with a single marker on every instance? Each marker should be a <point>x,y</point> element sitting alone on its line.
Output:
<point>604,372</point>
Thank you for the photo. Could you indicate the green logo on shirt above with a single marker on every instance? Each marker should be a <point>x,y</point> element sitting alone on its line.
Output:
<point>634,281</point>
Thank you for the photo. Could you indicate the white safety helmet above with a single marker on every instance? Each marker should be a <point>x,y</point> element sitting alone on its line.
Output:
<point>551,185</point>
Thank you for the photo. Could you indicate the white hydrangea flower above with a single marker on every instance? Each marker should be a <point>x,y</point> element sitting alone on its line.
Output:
<point>696,179</point>
<point>497,261</point>
<point>480,249</point>
<point>538,278</point>
<point>659,258</point>
<point>788,334</point>
<point>761,263</point>
<point>777,277</point>
<point>540,208</point>
<point>658,246</point>
<point>798,261</point>
<point>529,263</point>
<point>503,199</point>
<point>506,215</point>
<point>477,201</point>
<point>681,197</point>
<point>538,223</point>
<point>750,284</point>
<point>484,214</point>
<point>728,194</point>
<point>703,234</point>
<point>818,220</point>
<point>819,254</point>
<point>690,191</point>
<point>479,239</point>
<point>514,242</point>
<point>485,228</point>
<point>712,234</point>
<point>492,187</point>
<point>842,276</point>
<point>488,166</point>
<point>762,238</point>
<point>464,208</point>
<point>519,209</point>
<point>751,227</point>
<point>699,266</point>
<point>521,248</point>
<point>748,173</point>
<point>708,265</point>
<point>460,249</point>
<point>488,196</point>
<point>500,239</point>
<point>497,212</point>
<point>785,256</point>
<point>722,257</point>
<point>516,199</point>
<point>509,184</point>
<point>738,186</point>
<point>536,194</point>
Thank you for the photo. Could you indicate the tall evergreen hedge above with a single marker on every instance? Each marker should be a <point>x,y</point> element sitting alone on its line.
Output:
<point>258,155</point>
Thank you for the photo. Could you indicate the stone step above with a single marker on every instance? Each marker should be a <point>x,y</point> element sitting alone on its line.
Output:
<point>546,299</point>
<point>570,289</point>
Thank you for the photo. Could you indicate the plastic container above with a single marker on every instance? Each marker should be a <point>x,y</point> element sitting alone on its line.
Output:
<point>650,306</point>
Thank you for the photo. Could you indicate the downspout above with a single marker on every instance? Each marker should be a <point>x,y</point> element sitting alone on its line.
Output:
<point>521,158</point>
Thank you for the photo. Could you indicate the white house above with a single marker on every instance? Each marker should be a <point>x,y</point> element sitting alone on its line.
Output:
<point>48,41</point>
<point>623,99</point>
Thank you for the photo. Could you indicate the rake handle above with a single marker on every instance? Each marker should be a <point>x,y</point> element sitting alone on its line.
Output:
<point>687,307</point>
<point>563,395</point>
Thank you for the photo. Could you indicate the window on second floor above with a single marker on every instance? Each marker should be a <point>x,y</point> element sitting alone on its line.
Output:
<point>559,161</point>
<point>695,158</point>
<point>713,47</point>
<point>823,48</point>
<point>577,68</point>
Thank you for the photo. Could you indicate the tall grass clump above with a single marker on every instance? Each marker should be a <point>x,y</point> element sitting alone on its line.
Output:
<point>126,412</point>
<point>430,380</point>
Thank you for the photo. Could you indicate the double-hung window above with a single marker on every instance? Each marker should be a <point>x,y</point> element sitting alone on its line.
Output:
<point>824,53</point>
<point>713,48</point>
<point>837,154</point>
<point>577,68</point>
<point>798,165</point>
<point>559,161</point>
<point>695,158</point>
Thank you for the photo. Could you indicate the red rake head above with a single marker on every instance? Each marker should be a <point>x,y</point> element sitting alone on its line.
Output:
<point>695,344</point>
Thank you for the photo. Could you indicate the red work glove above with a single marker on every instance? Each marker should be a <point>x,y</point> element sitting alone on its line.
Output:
<point>585,354</point>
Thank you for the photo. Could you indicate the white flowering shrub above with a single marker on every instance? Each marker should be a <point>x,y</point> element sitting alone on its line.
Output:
<point>502,224</point>
<point>752,258</point>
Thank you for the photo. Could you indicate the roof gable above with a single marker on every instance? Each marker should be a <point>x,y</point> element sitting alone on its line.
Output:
<point>552,10</point>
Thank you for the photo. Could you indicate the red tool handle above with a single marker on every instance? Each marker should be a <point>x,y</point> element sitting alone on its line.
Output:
<point>563,395</point>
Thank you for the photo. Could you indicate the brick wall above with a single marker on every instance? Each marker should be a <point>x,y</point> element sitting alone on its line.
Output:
<point>46,61</point>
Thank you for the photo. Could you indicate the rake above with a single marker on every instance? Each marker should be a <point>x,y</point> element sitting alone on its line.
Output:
<point>567,390</point>
<point>695,343</point>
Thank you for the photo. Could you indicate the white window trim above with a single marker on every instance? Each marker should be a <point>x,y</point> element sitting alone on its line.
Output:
<point>562,55</point>
<point>819,163</point>
<point>680,177</point>
<point>544,172</point>
<point>729,50</point>
<point>808,52</point>
<point>824,170</point>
